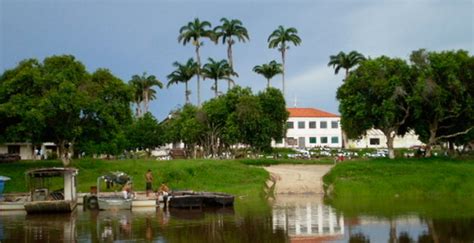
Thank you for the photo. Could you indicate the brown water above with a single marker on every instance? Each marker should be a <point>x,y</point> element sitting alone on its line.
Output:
<point>286,219</point>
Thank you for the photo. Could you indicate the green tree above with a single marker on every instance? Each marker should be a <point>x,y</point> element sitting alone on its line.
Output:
<point>443,100</point>
<point>218,70</point>
<point>183,73</point>
<point>376,96</point>
<point>137,88</point>
<point>346,61</point>
<point>106,116</point>
<point>59,101</point>
<point>279,39</point>
<point>226,32</point>
<point>274,109</point>
<point>145,84</point>
<point>145,133</point>
<point>20,92</point>
<point>193,32</point>
<point>184,126</point>
<point>269,70</point>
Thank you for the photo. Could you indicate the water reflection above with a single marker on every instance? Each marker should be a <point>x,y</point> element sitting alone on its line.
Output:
<point>306,217</point>
<point>288,219</point>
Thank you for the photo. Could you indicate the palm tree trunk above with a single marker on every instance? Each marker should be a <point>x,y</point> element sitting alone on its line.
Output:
<point>283,48</point>
<point>186,92</point>
<point>145,100</point>
<point>198,57</point>
<point>216,89</point>
<point>229,56</point>
<point>268,83</point>
<point>347,74</point>
<point>138,110</point>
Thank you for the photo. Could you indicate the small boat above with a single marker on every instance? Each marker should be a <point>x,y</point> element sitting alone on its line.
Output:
<point>114,201</point>
<point>45,199</point>
<point>190,199</point>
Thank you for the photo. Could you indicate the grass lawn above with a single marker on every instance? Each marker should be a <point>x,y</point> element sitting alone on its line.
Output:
<point>438,186</point>
<point>207,175</point>
<point>414,178</point>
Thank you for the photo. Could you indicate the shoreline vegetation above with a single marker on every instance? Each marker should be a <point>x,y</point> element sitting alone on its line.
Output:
<point>414,178</point>
<point>434,187</point>
<point>377,186</point>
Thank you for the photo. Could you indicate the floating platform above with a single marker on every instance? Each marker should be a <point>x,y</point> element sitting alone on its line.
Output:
<point>189,199</point>
<point>62,206</point>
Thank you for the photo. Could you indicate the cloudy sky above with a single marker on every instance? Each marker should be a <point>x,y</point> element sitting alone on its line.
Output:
<point>130,37</point>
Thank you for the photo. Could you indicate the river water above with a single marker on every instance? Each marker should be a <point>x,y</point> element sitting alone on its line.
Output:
<point>284,219</point>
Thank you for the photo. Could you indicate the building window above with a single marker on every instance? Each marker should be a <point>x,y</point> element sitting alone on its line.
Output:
<point>334,124</point>
<point>279,141</point>
<point>323,124</point>
<point>289,125</point>
<point>334,140</point>
<point>312,124</point>
<point>301,125</point>
<point>312,140</point>
<point>375,141</point>
<point>324,140</point>
<point>13,149</point>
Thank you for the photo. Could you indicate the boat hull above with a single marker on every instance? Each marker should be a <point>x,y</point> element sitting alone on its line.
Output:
<point>12,206</point>
<point>62,206</point>
<point>200,199</point>
<point>115,204</point>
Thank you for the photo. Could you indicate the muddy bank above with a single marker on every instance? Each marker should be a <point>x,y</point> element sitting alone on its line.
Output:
<point>297,179</point>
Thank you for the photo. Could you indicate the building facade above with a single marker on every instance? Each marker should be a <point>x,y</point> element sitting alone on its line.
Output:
<point>29,152</point>
<point>375,138</point>
<point>310,127</point>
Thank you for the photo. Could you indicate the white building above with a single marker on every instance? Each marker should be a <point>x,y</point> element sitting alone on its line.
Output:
<point>309,127</point>
<point>27,151</point>
<point>375,138</point>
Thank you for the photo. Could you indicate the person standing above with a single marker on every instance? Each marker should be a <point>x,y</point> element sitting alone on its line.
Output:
<point>149,181</point>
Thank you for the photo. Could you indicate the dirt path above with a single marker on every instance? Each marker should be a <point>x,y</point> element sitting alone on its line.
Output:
<point>297,179</point>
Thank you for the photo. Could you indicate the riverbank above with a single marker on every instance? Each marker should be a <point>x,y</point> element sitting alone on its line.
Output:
<point>402,178</point>
<point>297,179</point>
<point>201,175</point>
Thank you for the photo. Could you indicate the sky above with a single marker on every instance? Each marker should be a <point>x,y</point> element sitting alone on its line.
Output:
<point>134,36</point>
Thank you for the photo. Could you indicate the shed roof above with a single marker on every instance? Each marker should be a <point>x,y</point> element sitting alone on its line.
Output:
<point>51,172</point>
<point>309,112</point>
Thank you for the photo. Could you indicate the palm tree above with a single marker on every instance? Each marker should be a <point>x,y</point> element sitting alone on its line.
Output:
<point>137,94</point>
<point>229,29</point>
<point>218,70</point>
<point>145,84</point>
<point>347,62</point>
<point>194,31</point>
<point>278,39</point>
<point>183,73</point>
<point>269,70</point>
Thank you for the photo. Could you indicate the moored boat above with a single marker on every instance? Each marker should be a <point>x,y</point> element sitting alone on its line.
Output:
<point>122,201</point>
<point>46,199</point>
<point>190,199</point>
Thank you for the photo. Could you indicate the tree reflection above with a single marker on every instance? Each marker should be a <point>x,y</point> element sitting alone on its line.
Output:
<point>359,238</point>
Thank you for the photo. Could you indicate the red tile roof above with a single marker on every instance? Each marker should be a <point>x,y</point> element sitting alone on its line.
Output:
<point>309,112</point>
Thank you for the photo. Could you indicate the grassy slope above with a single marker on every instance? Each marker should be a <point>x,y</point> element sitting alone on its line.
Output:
<point>435,187</point>
<point>246,182</point>
<point>226,176</point>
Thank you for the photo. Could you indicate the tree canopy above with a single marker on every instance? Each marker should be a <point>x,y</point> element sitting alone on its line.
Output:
<point>59,101</point>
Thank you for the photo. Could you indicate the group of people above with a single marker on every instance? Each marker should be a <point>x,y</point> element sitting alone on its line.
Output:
<point>162,190</point>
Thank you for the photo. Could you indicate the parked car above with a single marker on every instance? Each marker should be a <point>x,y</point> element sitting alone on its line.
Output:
<point>381,153</point>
